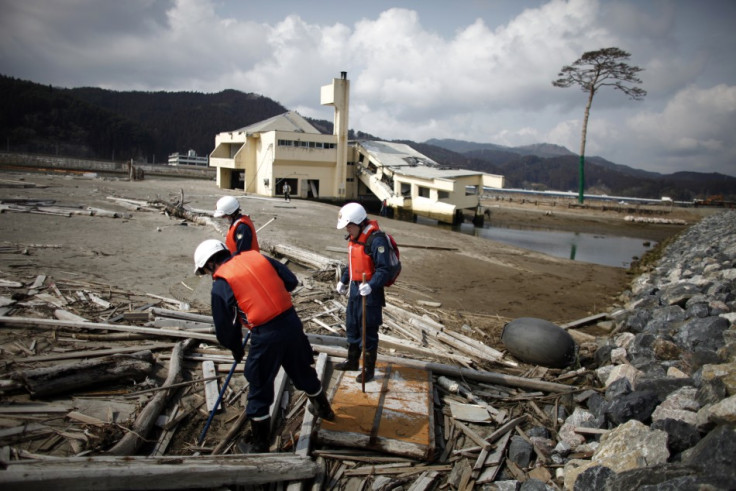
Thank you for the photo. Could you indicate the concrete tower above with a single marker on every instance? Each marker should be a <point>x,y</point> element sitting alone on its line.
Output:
<point>338,95</point>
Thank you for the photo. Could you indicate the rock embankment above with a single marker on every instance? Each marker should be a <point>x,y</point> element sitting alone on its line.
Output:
<point>666,415</point>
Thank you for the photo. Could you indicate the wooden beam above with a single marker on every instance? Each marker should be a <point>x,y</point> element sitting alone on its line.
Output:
<point>165,472</point>
<point>459,372</point>
<point>93,353</point>
<point>52,324</point>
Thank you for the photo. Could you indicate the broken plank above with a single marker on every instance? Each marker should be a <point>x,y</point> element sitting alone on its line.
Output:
<point>302,446</point>
<point>65,315</point>
<point>492,463</point>
<point>166,435</point>
<point>211,392</point>
<point>584,321</point>
<point>83,418</point>
<point>404,470</point>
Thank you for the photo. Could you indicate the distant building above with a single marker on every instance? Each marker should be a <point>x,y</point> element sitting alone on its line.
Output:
<point>286,148</point>
<point>191,158</point>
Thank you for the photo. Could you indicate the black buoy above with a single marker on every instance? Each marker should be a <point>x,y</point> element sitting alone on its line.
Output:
<point>539,342</point>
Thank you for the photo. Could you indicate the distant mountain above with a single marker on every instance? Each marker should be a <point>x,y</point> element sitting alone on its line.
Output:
<point>556,168</point>
<point>543,150</point>
<point>499,154</point>
<point>148,126</point>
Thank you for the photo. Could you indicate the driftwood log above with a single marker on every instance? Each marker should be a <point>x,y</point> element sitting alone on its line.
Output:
<point>147,417</point>
<point>58,379</point>
<point>110,473</point>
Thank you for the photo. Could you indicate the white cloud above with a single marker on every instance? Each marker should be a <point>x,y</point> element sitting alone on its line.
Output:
<point>480,81</point>
<point>695,122</point>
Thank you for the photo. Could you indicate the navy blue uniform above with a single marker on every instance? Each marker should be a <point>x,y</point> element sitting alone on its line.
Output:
<point>243,235</point>
<point>276,343</point>
<point>374,302</point>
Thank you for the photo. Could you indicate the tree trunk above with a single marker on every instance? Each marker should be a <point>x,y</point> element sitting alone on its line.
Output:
<point>583,137</point>
<point>47,381</point>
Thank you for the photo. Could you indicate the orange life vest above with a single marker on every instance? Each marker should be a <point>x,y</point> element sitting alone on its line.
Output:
<point>358,258</point>
<point>230,241</point>
<point>258,288</point>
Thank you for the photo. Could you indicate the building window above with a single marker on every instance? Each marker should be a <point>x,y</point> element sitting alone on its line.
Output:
<point>305,144</point>
<point>423,192</point>
<point>443,195</point>
<point>471,190</point>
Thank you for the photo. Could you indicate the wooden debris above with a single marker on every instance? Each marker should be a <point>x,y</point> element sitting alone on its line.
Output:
<point>47,381</point>
<point>109,473</point>
<point>121,418</point>
<point>147,417</point>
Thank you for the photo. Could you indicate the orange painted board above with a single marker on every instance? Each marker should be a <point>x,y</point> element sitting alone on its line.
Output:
<point>394,415</point>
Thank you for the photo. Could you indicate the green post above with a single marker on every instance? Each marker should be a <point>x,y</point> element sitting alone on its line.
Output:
<point>581,187</point>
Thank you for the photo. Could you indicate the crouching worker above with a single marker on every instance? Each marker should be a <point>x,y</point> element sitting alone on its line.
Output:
<point>252,290</point>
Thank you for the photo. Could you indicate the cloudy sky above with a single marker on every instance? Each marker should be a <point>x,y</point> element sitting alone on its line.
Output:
<point>477,70</point>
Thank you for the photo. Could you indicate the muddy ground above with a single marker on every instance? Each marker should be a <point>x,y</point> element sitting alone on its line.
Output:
<point>481,282</point>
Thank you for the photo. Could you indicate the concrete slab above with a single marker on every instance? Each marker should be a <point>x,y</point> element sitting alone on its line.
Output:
<point>395,414</point>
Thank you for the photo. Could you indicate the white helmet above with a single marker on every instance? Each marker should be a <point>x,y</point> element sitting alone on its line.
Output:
<point>227,205</point>
<point>351,213</point>
<point>205,251</point>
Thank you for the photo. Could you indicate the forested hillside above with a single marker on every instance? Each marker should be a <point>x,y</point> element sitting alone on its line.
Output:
<point>145,126</point>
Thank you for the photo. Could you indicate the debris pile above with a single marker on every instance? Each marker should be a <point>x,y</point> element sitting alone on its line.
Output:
<point>91,373</point>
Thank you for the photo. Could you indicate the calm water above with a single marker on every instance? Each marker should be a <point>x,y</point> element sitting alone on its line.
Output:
<point>609,250</point>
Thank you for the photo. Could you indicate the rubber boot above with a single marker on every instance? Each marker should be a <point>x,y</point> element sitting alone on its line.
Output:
<point>352,362</point>
<point>259,439</point>
<point>320,406</point>
<point>370,366</point>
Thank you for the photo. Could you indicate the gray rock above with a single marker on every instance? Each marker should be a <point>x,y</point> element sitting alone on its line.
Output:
<point>510,485</point>
<point>638,320</point>
<point>533,485</point>
<point>671,477</point>
<point>538,431</point>
<point>715,454</point>
<point>618,388</point>
<point>702,333</point>
<point>602,355</point>
<point>663,386</point>
<point>593,478</point>
<point>680,435</point>
<point>678,294</point>
<point>637,405</point>
<point>710,391</point>
<point>520,451</point>
<point>697,310</point>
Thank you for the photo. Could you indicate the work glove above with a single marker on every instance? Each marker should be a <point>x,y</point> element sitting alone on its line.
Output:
<point>365,289</point>
<point>341,288</point>
<point>238,354</point>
